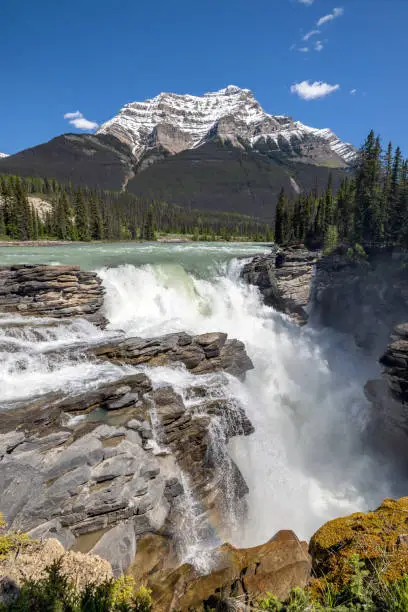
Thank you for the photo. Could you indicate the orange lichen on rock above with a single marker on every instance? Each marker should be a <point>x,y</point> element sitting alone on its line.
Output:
<point>379,538</point>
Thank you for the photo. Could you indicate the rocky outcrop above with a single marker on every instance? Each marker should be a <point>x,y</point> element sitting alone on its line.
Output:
<point>122,459</point>
<point>201,354</point>
<point>395,362</point>
<point>365,296</point>
<point>284,278</point>
<point>388,395</point>
<point>379,538</point>
<point>52,291</point>
<point>100,468</point>
<point>238,575</point>
<point>30,562</point>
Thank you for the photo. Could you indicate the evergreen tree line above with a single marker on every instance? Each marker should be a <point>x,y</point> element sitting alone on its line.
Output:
<point>85,214</point>
<point>369,209</point>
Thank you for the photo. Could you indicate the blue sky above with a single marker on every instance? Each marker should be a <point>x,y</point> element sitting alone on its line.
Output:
<point>94,56</point>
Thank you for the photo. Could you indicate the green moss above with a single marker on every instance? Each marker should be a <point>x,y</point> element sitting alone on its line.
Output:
<point>375,536</point>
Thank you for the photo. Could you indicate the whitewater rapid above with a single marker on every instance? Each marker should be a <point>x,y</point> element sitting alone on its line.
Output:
<point>305,462</point>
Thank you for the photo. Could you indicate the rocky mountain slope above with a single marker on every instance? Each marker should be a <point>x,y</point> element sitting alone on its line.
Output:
<point>178,122</point>
<point>219,151</point>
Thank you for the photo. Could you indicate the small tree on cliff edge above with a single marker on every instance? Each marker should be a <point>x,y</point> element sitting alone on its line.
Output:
<point>281,219</point>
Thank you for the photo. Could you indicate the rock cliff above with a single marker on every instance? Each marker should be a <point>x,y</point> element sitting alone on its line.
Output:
<point>284,278</point>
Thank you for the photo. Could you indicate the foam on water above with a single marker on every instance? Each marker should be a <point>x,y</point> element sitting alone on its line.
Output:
<point>305,463</point>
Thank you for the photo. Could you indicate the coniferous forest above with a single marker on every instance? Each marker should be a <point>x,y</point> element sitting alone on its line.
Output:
<point>369,209</point>
<point>84,214</point>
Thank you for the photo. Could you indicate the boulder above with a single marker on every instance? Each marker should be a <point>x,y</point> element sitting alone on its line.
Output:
<point>377,537</point>
<point>243,575</point>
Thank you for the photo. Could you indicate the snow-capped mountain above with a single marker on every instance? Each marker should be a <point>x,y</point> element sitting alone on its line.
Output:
<point>3,155</point>
<point>174,123</point>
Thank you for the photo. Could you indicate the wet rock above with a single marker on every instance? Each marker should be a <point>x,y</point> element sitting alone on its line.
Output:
<point>395,363</point>
<point>277,566</point>
<point>52,291</point>
<point>365,297</point>
<point>46,411</point>
<point>284,278</point>
<point>154,553</point>
<point>200,354</point>
<point>189,436</point>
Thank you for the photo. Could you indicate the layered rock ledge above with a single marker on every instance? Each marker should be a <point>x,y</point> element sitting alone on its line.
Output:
<point>52,291</point>
<point>200,354</point>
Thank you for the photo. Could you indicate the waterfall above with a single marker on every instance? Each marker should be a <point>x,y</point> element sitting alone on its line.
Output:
<point>305,463</point>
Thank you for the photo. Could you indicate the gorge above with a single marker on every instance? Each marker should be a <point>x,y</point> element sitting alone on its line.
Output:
<point>152,392</point>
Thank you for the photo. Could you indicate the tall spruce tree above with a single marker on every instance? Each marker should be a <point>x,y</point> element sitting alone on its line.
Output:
<point>96,223</point>
<point>81,216</point>
<point>281,219</point>
<point>394,200</point>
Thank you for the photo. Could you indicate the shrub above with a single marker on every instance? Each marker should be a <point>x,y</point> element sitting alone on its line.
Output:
<point>55,593</point>
<point>10,541</point>
<point>364,592</point>
<point>356,253</point>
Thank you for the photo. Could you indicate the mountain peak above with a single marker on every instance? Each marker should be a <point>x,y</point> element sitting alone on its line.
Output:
<point>175,122</point>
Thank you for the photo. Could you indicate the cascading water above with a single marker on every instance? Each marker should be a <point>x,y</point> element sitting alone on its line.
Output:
<point>304,464</point>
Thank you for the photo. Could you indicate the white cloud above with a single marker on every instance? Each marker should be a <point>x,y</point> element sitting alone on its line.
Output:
<point>319,46</point>
<point>78,120</point>
<point>337,12</point>
<point>310,34</point>
<point>73,115</point>
<point>312,91</point>
<point>353,92</point>
<point>304,49</point>
<point>308,2</point>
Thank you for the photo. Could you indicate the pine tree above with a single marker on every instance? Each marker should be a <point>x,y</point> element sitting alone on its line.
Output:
<point>281,219</point>
<point>148,227</point>
<point>81,217</point>
<point>386,192</point>
<point>96,224</point>
<point>2,223</point>
<point>368,222</point>
<point>329,212</point>
<point>394,200</point>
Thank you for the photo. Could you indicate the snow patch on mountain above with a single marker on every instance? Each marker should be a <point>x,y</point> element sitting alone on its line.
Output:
<point>3,155</point>
<point>175,122</point>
